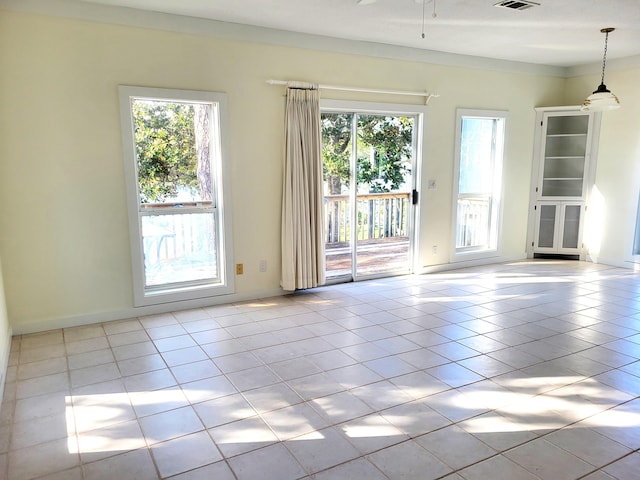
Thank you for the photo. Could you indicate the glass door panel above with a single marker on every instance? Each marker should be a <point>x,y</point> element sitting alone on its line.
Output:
<point>384,167</point>
<point>336,169</point>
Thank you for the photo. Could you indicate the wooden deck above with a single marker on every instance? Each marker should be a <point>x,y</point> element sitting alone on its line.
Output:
<point>373,257</point>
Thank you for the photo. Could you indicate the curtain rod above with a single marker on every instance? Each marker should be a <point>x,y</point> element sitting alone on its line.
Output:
<point>427,95</point>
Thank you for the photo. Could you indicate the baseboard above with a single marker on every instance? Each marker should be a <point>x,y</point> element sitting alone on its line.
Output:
<point>54,323</point>
<point>472,263</point>
<point>635,266</point>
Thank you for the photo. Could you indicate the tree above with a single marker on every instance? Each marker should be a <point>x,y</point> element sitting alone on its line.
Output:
<point>203,171</point>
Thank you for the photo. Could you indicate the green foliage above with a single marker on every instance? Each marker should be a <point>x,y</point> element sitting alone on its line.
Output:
<point>384,151</point>
<point>390,142</point>
<point>165,148</point>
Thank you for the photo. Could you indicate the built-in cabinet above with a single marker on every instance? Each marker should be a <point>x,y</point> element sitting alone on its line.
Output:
<point>562,177</point>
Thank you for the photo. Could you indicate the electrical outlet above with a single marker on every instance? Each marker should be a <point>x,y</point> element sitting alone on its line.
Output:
<point>434,249</point>
<point>239,268</point>
<point>263,266</point>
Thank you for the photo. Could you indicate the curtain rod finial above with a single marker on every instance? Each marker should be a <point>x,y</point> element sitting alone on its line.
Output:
<point>429,96</point>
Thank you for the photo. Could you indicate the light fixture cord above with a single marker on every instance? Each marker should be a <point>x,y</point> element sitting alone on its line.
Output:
<point>424,9</point>
<point>424,4</point>
<point>604,57</point>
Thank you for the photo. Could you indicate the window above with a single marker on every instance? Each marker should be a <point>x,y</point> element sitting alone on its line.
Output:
<point>173,149</point>
<point>477,180</point>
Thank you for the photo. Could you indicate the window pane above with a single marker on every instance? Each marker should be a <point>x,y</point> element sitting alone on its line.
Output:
<point>473,221</point>
<point>476,156</point>
<point>172,149</point>
<point>179,248</point>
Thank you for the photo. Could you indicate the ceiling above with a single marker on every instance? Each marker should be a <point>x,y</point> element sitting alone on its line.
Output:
<point>562,33</point>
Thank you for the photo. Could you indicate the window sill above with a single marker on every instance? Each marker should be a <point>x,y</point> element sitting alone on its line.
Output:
<point>475,255</point>
<point>157,297</point>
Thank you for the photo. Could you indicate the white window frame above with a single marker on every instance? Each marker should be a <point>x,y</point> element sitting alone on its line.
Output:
<point>186,290</point>
<point>495,214</point>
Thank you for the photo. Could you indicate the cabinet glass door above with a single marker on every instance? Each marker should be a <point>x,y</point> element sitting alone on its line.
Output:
<point>565,154</point>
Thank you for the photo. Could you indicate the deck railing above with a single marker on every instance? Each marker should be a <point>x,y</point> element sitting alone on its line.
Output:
<point>473,220</point>
<point>379,216</point>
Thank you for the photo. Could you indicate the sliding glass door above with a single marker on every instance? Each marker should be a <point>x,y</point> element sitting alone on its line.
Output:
<point>369,176</point>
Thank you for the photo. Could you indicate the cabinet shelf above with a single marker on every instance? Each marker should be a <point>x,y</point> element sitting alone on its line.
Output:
<point>563,178</point>
<point>555,135</point>
<point>560,157</point>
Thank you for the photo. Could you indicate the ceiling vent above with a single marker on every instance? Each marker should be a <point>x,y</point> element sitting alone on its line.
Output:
<point>516,4</point>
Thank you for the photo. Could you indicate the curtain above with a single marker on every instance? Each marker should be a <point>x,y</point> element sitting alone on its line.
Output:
<point>302,197</point>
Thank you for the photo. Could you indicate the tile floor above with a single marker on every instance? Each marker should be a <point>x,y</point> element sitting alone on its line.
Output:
<point>521,371</point>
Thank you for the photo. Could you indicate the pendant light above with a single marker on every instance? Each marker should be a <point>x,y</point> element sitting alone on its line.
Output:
<point>602,99</point>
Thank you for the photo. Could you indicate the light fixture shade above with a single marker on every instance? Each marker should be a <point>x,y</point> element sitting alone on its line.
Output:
<point>601,100</point>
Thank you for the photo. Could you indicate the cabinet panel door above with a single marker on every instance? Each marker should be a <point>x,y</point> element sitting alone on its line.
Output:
<point>571,226</point>
<point>547,226</point>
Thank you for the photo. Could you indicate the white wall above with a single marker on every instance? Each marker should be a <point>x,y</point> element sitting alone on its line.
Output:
<point>618,169</point>
<point>5,336</point>
<point>62,187</point>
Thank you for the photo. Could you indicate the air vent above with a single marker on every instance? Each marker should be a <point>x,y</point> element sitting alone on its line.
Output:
<point>516,4</point>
